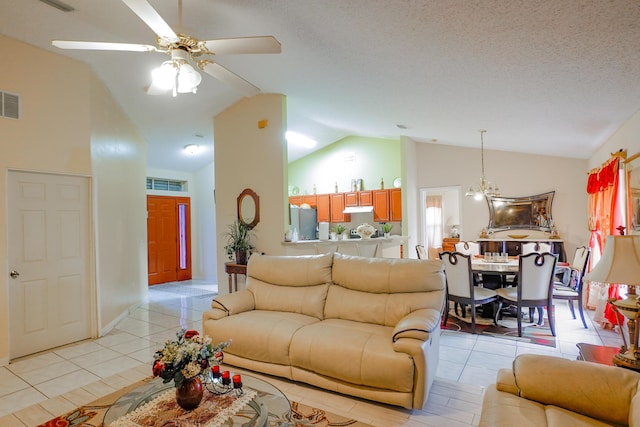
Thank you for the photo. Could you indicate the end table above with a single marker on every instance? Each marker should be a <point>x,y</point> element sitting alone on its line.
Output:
<point>233,269</point>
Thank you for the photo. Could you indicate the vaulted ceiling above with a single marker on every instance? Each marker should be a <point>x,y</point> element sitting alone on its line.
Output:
<point>547,76</point>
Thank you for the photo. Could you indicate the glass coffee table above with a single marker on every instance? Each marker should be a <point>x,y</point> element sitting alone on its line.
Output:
<point>269,400</point>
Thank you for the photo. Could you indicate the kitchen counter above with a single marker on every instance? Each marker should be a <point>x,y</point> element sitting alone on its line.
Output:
<point>375,247</point>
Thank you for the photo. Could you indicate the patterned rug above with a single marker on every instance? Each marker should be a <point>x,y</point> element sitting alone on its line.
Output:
<point>507,328</point>
<point>92,415</point>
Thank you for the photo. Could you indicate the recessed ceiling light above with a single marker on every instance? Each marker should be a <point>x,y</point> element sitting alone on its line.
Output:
<point>192,149</point>
<point>299,139</point>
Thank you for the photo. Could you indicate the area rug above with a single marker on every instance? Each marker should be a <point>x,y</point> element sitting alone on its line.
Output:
<point>507,328</point>
<point>92,415</point>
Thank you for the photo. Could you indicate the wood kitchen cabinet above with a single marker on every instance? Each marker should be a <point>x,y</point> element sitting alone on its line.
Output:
<point>311,200</point>
<point>337,206</point>
<point>365,198</point>
<point>323,207</point>
<point>381,211</point>
<point>295,200</point>
<point>351,198</point>
<point>395,204</point>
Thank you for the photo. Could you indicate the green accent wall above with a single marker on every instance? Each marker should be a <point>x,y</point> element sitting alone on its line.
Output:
<point>353,157</point>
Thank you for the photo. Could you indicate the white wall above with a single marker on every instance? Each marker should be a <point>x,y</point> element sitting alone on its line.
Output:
<point>71,125</point>
<point>203,212</point>
<point>517,175</point>
<point>249,157</point>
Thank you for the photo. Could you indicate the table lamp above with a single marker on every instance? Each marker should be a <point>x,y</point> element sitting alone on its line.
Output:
<point>620,263</point>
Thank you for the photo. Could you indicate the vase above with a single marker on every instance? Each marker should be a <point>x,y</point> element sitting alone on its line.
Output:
<point>189,394</point>
<point>241,257</point>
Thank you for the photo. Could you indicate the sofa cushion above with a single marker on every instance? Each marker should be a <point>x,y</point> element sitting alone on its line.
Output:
<point>354,352</point>
<point>295,284</point>
<point>560,417</point>
<point>590,390</point>
<point>503,409</point>
<point>260,335</point>
<point>381,290</point>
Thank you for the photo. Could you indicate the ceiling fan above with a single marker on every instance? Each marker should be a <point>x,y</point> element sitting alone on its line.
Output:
<point>177,74</point>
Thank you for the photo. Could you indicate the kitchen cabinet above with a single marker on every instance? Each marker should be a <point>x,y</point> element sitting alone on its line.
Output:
<point>323,207</point>
<point>295,200</point>
<point>337,206</point>
<point>381,211</point>
<point>395,204</point>
<point>365,198</point>
<point>311,200</point>
<point>351,198</point>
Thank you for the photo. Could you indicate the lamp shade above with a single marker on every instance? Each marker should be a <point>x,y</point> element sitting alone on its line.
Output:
<point>620,262</point>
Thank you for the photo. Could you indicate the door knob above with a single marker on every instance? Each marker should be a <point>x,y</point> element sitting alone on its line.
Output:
<point>14,274</point>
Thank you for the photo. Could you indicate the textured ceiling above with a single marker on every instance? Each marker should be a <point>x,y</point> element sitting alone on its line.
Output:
<point>545,76</point>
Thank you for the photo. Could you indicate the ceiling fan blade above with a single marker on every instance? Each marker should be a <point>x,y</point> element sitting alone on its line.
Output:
<point>232,79</point>
<point>130,47</point>
<point>148,14</point>
<point>265,44</point>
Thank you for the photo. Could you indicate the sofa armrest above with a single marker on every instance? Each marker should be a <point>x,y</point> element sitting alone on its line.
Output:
<point>597,391</point>
<point>417,324</point>
<point>230,304</point>
<point>506,381</point>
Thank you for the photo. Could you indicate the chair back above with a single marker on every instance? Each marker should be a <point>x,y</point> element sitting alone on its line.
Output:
<point>457,270</point>
<point>532,247</point>
<point>535,276</point>
<point>580,259</point>
<point>468,248</point>
<point>422,253</point>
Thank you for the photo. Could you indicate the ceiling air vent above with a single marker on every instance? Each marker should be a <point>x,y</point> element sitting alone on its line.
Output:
<point>9,105</point>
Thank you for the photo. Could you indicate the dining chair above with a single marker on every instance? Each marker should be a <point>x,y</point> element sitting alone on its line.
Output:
<point>422,253</point>
<point>569,288</point>
<point>468,248</point>
<point>534,290</point>
<point>460,288</point>
<point>538,247</point>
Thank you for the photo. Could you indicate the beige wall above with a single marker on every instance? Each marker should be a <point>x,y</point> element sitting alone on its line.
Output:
<point>249,157</point>
<point>118,156</point>
<point>70,125</point>
<point>517,175</point>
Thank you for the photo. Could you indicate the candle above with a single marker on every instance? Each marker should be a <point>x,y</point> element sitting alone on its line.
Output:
<point>237,381</point>
<point>226,380</point>
<point>215,370</point>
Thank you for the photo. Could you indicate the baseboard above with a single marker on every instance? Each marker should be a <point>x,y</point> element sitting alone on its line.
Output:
<point>4,361</point>
<point>111,325</point>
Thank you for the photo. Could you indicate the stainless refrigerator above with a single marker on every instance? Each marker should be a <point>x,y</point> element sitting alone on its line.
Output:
<point>305,221</point>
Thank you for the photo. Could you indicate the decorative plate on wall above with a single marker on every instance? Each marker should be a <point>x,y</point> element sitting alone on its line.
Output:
<point>397,183</point>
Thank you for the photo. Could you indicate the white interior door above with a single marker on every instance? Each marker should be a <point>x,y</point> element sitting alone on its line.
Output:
<point>48,260</point>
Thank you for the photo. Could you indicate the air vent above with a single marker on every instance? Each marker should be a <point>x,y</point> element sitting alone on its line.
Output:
<point>9,105</point>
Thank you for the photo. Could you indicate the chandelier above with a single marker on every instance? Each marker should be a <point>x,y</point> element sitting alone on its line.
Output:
<point>486,188</point>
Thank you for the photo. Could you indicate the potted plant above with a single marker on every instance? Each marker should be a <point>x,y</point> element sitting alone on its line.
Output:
<point>386,229</point>
<point>238,237</point>
<point>339,229</point>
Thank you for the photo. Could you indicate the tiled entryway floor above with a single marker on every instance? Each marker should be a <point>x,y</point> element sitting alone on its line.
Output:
<point>37,388</point>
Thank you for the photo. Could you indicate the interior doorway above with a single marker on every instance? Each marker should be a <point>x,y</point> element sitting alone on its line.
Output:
<point>440,213</point>
<point>48,245</point>
<point>168,239</point>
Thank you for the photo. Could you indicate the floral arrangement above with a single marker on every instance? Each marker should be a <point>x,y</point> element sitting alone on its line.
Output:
<point>186,357</point>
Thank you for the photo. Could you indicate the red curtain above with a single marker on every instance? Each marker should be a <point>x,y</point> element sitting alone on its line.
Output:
<point>604,215</point>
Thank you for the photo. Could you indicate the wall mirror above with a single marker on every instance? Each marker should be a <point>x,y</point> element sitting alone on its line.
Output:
<point>519,213</point>
<point>249,208</point>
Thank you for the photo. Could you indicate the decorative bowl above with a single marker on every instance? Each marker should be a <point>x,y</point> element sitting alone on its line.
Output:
<point>365,230</point>
<point>518,236</point>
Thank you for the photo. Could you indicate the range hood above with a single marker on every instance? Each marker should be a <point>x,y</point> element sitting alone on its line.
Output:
<point>358,209</point>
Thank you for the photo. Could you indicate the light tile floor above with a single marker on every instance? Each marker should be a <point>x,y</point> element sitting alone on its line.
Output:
<point>37,388</point>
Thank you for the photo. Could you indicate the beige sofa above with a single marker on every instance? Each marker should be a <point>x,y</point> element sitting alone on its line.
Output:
<point>551,391</point>
<point>366,327</point>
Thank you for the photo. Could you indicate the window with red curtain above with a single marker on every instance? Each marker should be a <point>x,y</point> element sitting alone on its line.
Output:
<point>605,214</point>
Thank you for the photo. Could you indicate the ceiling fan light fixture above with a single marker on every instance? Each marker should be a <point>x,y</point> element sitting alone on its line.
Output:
<point>164,77</point>
<point>188,79</point>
